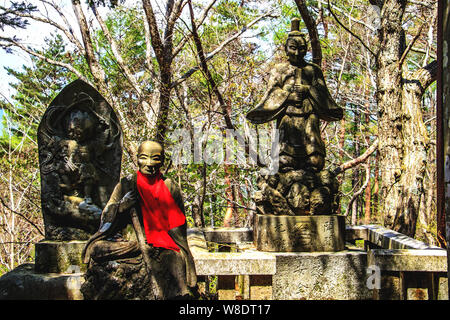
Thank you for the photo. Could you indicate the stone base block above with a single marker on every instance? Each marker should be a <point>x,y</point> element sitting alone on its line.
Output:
<point>23,283</point>
<point>321,276</point>
<point>59,256</point>
<point>299,233</point>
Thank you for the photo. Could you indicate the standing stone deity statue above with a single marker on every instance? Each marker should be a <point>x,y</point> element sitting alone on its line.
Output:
<point>143,235</point>
<point>80,150</point>
<point>297,98</point>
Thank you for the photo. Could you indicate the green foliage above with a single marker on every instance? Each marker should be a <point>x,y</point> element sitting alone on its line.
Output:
<point>13,17</point>
<point>35,87</point>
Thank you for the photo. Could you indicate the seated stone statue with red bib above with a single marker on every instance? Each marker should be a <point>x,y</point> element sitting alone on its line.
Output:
<point>143,232</point>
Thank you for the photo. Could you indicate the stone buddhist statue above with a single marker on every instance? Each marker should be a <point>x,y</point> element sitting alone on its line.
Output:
<point>297,98</point>
<point>140,250</point>
<point>80,149</point>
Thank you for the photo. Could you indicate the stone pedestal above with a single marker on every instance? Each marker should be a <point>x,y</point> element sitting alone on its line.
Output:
<point>299,233</point>
<point>59,256</point>
<point>23,283</point>
<point>57,274</point>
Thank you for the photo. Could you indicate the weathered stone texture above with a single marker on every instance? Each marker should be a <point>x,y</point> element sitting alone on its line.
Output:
<point>321,276</point>
<point>117,281</point>
<point>59,256</point>
<point>23,283</point>
<point>299,233</point>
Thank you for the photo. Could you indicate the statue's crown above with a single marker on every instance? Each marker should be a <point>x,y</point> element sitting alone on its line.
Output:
<point>295,28</point>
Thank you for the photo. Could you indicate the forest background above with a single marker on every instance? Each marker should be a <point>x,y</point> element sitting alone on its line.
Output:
<point>202,65</point>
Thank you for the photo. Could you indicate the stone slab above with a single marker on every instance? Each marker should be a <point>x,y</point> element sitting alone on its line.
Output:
<point>235,263</point>
<point>321,276</point>
<point>390,239</point>
<point>356,233</point>
<point>228,235</point>
<point>227,263</point>
<point>405,260</point>
<point>196,240</point>
<point>300,233</point>
<point>59,256</point>
<point>23,283</point>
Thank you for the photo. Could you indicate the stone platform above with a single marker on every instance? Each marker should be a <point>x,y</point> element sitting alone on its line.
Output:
<point>57,274</point>
<point>322,233</point>
<point>24,283</point>
<point>59,256</point>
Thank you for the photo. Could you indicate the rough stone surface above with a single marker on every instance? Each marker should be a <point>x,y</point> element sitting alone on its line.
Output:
<point>390,239</point>
<point>227,263</point>
<point>353,233</point>
<point>442,283</point>
<point>321,276</point>
<point>226,287</point>
<point>299,233</point>
<point>220,263</point>
<point>117,281</point>
<point>228,235</point>
<point>409,260</point>
<point>59,256</point>
<point>23,283</point>
<point>297,193</point>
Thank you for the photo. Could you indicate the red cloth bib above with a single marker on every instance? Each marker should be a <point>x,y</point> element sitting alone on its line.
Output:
<point>159,211</point>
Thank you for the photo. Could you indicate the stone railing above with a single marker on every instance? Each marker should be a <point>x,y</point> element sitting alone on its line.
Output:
<point>408,269</point>
<point>388,265</point>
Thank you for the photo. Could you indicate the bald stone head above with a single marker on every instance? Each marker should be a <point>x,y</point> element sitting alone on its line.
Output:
<point>150,157</point>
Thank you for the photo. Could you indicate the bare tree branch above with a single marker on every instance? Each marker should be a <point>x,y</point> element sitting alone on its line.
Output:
<point>155,38</point>
<point>67,32</point>
<point>220,47</point>
<point>115,50</point>
<point>204,66</point>
<point>312,31</point>
<point>122,64</point>
<point>203,16</point>
<point>358,193</point>
<point>22,216</point>
<point>354,162</point>
<point>410,45</point>
<point>348,30</point>
<point>94,66</point>
<point>424,77</point>
<point>44,58</point>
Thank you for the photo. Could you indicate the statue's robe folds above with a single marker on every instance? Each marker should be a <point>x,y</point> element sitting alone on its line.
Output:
<point>116,240</point>
<point>298,122</point>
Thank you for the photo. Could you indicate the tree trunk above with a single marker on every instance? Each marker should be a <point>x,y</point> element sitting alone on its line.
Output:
<point>356,178</point>
<point>368,191</point>
<point>389,98</point>
<point>94,66</point>
<point>376,184</point>
<point>367,199</point>
<point>410,186</point>
<point>229,214</point>
<point>341,157</point>
<point>402,134</point>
